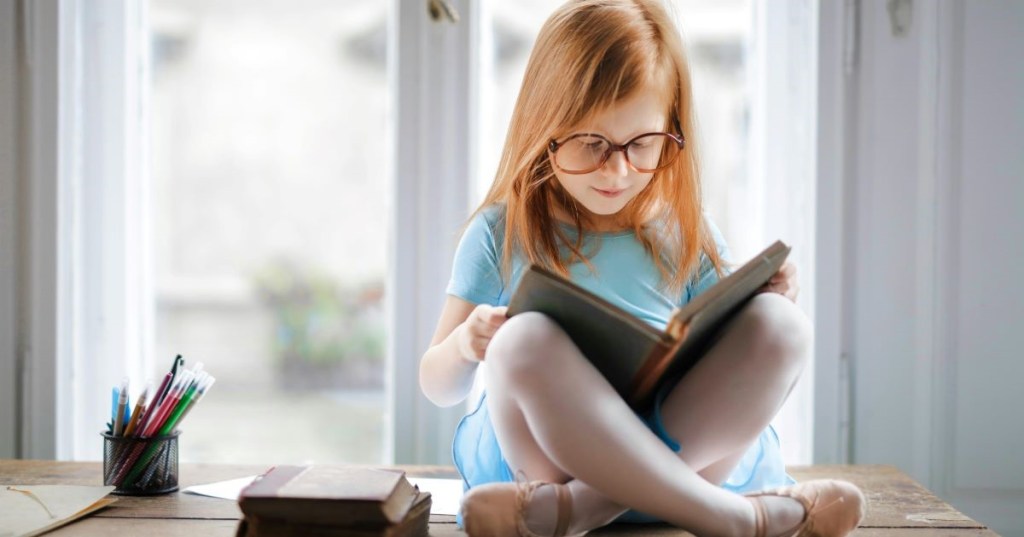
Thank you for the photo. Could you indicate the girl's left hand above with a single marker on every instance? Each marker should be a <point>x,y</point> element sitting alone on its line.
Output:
<point>783,282</point>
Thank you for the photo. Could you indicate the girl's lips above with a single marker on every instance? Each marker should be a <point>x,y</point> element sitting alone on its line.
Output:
<point>609,193</point>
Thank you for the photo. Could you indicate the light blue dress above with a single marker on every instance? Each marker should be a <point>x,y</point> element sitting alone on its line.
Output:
<point>624,275</point>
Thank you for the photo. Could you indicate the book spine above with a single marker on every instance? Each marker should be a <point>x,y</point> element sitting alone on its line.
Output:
<point>649,376</point>
<point>676,328</point>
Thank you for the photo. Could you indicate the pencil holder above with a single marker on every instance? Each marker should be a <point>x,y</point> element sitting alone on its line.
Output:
<point>140,466</point>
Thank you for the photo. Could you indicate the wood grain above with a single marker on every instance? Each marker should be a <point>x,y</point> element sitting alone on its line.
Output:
<point>897,505</point>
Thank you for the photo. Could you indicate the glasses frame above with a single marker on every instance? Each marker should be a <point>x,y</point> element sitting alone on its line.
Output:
<point>553,146</point>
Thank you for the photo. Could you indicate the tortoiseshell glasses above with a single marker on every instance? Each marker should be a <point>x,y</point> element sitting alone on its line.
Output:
<point>585,152</point>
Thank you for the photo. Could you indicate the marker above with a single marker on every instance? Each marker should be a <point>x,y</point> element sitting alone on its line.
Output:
<point>114,393</point>
<point>154,403</point>
<point>173,396</point>
<point>122,406</point>
<point>203,388</point>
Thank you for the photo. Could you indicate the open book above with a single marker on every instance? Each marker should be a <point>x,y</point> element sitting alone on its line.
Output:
<point>634,356</point>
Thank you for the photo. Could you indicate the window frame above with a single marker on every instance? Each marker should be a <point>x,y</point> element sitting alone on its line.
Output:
<point>83,267</point>
<point>433,66</point>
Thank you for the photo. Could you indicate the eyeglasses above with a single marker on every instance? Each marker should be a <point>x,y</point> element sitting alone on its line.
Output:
<point>585,152</point>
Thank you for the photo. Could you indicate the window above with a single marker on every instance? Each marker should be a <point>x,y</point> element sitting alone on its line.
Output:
<point>251,126</point>
<point>269,140</point>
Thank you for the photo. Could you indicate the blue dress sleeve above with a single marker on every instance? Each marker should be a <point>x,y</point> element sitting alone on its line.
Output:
<point>476,275</point>
<point>706,275</point>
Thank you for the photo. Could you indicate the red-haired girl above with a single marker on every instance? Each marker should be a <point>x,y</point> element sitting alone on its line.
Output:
<point>598,181</point>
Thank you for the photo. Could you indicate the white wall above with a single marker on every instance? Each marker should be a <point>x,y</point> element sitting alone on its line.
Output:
<point>936,243</point>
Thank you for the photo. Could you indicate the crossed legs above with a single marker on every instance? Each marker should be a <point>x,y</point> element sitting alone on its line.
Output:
<point>559,421</point>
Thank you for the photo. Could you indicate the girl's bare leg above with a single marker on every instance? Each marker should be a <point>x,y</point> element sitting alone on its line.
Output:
<point>556,417</point>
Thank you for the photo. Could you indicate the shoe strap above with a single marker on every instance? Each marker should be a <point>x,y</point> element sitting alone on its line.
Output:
<point>564,509</point>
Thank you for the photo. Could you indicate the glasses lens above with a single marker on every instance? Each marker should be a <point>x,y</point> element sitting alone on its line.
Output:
<point>652,151</point>
<point>582,153</point>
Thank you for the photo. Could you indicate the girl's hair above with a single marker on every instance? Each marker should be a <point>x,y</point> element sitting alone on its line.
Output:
<point>589,55</point>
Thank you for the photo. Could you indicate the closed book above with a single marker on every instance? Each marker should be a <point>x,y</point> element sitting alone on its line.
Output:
<point>634,356</point>
<point>327,495</point>
<point>415,524</point>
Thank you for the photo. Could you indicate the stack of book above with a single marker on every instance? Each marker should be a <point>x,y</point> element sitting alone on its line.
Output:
<point>333,501</point>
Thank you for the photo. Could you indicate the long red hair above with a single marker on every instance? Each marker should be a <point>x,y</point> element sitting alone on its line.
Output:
<point>589,55</point>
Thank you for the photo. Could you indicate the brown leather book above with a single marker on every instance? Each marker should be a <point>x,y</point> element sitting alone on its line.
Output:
<point>354,497</point>
<point>634,356</point>
<point>415,524</point>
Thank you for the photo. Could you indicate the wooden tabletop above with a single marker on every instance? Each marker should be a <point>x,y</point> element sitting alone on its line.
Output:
<point>897,505</point>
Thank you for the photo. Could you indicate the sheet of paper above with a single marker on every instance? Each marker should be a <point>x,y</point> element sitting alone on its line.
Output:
<point>445,494</point>
<point>28,510</point>
<point>229,490</point>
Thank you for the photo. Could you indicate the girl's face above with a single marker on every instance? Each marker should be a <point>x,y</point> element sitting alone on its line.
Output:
<point>605,191</point>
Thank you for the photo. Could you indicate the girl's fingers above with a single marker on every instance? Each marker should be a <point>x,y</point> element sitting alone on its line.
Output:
<point>786,274</point>
<point>479,346</point>
<point>496,316</point>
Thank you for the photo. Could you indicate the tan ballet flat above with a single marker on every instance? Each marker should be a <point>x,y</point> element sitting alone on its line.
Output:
<point>832,507</point>
<point>499,509</point>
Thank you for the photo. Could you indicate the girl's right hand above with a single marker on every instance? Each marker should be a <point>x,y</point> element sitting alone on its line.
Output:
<point>478,329</point>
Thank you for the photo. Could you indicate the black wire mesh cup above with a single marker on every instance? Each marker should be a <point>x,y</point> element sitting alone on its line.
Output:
<point>140,466</point>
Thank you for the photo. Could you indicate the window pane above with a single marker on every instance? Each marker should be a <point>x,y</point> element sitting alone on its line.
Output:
<point>270,135</point>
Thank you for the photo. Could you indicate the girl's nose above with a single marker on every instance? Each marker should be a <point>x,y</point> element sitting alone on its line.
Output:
<point>616,165</point>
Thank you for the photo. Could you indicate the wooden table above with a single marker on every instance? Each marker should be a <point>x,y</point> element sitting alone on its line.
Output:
<point>897,505</point>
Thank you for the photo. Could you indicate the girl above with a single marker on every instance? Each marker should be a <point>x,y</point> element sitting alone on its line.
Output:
<point>597,181</point>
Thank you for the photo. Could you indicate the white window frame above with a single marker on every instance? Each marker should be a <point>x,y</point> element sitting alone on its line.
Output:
<point>433,63</point>
<point>83,315</point>
<point>781,173</point>
<point>835,63</point>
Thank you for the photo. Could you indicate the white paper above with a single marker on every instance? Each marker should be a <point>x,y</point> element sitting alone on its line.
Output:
<point>229,490</point>
<point>445,494</point>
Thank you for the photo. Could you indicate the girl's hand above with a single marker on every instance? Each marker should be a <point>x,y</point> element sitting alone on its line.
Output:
<point>478,329</point>
<point>783,282</point>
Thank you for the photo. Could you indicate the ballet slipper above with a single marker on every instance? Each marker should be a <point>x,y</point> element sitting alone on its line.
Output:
<point>499,509</point>
<point>832,508</point>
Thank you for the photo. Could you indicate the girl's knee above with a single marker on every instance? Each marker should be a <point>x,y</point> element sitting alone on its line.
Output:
<point>523,343</point>
<point>780,330</point>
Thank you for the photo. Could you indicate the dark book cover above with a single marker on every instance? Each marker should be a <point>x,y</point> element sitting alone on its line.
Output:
<point>634,356</point>
<point>415,524</point>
